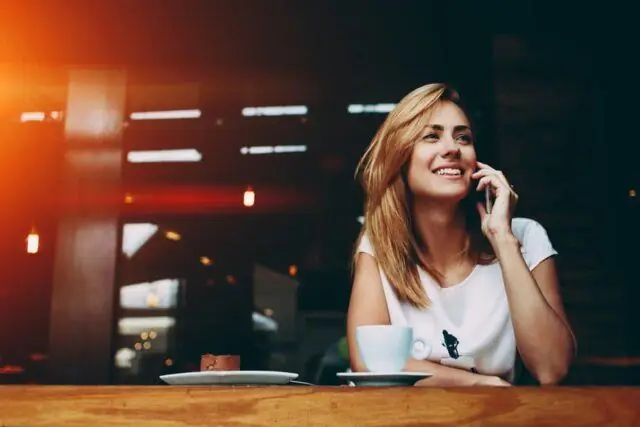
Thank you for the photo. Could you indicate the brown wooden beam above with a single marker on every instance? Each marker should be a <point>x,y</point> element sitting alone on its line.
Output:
<point>88,234</point>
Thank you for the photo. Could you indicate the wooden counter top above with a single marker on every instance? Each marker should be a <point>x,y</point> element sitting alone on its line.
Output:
<point>166,406</point>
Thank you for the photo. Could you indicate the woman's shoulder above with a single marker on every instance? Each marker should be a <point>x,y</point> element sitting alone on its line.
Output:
<point>536,245</point>
<point>364,244</point>
<point>522,226</point>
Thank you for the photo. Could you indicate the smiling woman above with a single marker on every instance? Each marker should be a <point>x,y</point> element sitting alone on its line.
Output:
<point>476,287</point>
<point>427,167</point>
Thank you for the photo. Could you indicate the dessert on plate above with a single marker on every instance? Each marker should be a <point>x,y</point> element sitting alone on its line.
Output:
<point>226,362</point>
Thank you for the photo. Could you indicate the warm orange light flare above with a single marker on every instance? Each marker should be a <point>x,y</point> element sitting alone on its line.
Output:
<point>33,242</point>
<point>293,270</point>
<point>205,260</point>
<point>172,235</point>
<point>249,197</point>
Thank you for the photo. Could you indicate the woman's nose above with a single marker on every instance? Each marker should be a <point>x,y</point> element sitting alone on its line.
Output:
<point>449,148</point>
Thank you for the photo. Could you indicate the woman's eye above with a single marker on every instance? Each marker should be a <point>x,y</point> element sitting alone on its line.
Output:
<point>430,136</point>
<point>465,139</point>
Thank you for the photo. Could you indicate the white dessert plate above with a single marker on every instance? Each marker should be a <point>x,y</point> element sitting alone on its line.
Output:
<point>383,379</point>
<point>230,378</point>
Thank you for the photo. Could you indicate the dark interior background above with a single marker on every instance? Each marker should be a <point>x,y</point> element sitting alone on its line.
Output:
<point>550,88</point>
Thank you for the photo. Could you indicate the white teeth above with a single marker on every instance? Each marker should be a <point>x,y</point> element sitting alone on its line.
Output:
<point>449,171</point>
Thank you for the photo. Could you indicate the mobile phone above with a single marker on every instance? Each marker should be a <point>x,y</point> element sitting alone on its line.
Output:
<point>488,203</point>
<point>485,197</point>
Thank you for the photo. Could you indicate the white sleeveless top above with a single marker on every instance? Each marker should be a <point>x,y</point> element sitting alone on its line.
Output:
<point>474,313</point>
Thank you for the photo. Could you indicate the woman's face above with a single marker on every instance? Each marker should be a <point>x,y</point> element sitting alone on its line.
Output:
<point>443,157</point>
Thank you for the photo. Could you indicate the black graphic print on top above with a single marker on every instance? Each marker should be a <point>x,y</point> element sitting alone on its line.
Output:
<point>451,344</point>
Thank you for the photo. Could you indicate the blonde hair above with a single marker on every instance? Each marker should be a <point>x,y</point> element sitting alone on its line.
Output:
<point>387,222</point>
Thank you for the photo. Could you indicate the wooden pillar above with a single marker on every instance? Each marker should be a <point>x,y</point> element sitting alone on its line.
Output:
<point>88,232</point>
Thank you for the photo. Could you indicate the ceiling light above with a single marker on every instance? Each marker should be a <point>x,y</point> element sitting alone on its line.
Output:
<point>280,110</point>
<point>249,197</point>
<point>166,115</point>
<point>370,108</point>
<point>32,116</point>
<point>164,156</point>
<point>272,149</point>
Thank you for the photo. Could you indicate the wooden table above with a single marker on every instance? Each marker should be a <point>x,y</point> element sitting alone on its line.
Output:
<point>166,406</point>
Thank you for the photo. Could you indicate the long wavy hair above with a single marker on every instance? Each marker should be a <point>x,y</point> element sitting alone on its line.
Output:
<point>388,202</point>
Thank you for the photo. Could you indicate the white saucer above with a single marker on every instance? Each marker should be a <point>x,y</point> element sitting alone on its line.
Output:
<point>230,378</point>
<point>383,379</point>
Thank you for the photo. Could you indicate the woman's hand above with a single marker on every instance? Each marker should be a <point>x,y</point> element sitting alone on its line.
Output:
<point>491,381</point>
<point>497,224</point>
<point>478,380</point>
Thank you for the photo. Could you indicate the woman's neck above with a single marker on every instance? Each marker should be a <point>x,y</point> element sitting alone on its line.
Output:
<point>442,230</point>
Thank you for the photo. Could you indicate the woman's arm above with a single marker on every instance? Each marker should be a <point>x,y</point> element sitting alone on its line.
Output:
<point>446,376</point>
<point>543,335</point>
<point>368,306</point>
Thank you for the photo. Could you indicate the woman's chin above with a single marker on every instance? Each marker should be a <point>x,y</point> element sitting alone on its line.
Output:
<point>443,198</point>
<point>452,196</point>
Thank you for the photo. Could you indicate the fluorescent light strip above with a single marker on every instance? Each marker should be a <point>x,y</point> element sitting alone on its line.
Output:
<point>370,108</point>
<point>162,156</point>
<point>39,116</point>
<point>273,149</point>
<point>32,116</point>
<point>135,235</point>
<point>166,115</point>
<point>135,325</point>
<point>282,110</point>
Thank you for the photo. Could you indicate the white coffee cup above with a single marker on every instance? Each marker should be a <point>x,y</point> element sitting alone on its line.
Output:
<point>384,348</point>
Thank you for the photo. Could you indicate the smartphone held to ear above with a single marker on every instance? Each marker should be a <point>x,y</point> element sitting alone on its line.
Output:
<point>488,203</point>
<point>485,198</point>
